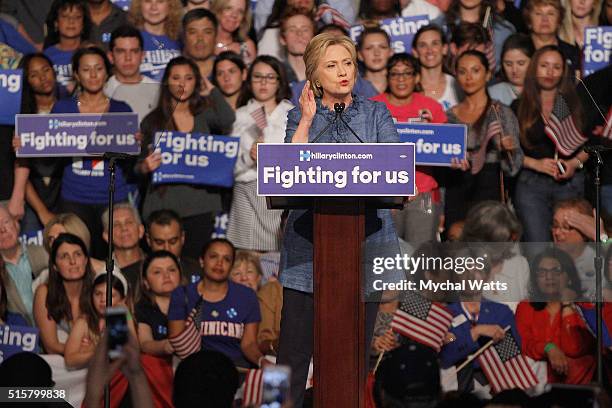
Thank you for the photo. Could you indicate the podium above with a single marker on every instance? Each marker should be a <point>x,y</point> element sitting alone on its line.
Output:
<point>339,182</point>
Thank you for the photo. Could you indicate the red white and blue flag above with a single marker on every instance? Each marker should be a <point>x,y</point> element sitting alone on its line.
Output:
<point>561,129</point>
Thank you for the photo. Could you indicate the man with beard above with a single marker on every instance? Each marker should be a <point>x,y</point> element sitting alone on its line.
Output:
<point>105,18</point>
<point>199,33</point>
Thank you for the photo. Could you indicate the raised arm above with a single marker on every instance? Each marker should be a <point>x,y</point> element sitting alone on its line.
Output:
<point>297,131</point>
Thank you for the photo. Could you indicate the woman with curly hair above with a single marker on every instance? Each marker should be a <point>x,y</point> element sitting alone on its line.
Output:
<point>159,22</point>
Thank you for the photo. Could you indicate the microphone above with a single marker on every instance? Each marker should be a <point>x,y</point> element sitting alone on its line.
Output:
<point>338,108</point>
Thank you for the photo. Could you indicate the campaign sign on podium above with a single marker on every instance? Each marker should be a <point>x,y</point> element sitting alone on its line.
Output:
<point>75,134</point>
<point>335,169</point>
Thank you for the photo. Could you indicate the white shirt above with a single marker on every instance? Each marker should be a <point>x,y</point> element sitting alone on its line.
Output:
<point>419,8</point>
<point>244,126</point>
<point>142,97</point>
<point>515,275</point>
<point>449,98</point>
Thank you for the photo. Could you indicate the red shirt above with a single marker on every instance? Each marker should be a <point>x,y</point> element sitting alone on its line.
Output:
<point>570,334</point>
<point>412,112</point>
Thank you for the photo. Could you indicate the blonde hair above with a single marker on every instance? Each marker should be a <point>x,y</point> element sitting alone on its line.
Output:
<point>248,257</point>
<point>217,7</point>
<point>316,50</point>
<point>172,25</point>
<point>73,225</point>
<point>566,30</point>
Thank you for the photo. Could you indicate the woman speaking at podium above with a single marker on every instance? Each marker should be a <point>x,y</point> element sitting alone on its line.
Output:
<point>329,112</point>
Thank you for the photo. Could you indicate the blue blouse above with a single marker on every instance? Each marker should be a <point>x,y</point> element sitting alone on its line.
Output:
<point>373,123</point>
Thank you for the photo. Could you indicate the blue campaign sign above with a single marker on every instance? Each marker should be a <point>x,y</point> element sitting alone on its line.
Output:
<point>122,4</point>
<point>597,48</point>
<point>335,169</point>
<point>400,29</point>
<point>76,134</point>
<point>436,143</point>
<point>17,339</point>
<point>196,158</point>
<point>10,95</point>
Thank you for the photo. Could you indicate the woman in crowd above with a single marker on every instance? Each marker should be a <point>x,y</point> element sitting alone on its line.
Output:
<point>549,323</point>
<point>159,22</point>
<point>67,27</point>
<point>430,46</point>
<point>417,222</point>
<point>61,301</point>
<point>247,270</point>
<point>88,328</point>
<point>229,74</point>
<point>38,179</point>
<point>180,108</point>
<point>161,274</point>
<point>541,181</point>
<point>374,50</point>
<point>226,313</point>
<point>261,118</point>
<point>475,11</point>
<point>605,15</point>
<point>516,54</point>
<point>492,224</point>
<point>85,181</point>
<point>234,18</point>
<point>71,224</point>
<point>477,320</point>
<point>7,317</point>
<point>578,15</point>
<point>544,18</point>
<point>331,71</point>
<point>493,143</point>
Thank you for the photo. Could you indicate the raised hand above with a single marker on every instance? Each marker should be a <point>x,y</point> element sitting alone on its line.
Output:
<point>308,105</point>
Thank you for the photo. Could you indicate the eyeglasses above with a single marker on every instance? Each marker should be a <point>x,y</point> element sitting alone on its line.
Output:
<point>398,75</point>
<point>270,78</point>
<point>556,271</point>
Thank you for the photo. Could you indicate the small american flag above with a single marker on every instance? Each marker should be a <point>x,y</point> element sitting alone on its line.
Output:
<point>189,340</point>
<point>505,367</point>
<point>490,47</point>
<point>494,128</point>
<point>259,115</point>
<point>561,129</point>
<point>253,388</point>
<point>336,17</point>
<point>421,320</point>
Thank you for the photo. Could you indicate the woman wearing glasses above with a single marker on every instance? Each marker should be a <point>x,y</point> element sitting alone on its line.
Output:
<point>261,118</point>
<point>549,323</point>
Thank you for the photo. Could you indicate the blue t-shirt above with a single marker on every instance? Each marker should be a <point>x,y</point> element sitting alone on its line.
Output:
<point>86,180</point>
<point>12,38</point>
<point>62,65</point>
<point>158,50</point>
<point>222,322</point>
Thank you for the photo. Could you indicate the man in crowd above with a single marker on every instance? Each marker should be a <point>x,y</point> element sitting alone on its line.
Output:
<point>23,264</point>
<point>128,84</point>
<point>199,33</point>
<point>127,233</point>
<point>297,29</point>
<point>105,18</point>
<point>165,232</point>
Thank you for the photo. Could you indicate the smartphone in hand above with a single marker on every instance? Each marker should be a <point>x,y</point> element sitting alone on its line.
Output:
<point>117,327</point>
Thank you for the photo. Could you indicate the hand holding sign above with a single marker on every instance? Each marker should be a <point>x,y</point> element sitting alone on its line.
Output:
<point>151,162</point>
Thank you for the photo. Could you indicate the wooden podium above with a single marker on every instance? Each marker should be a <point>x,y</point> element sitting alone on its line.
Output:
<point>339,312</point>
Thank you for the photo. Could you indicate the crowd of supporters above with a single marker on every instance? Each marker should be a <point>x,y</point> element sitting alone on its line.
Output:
<point>236,67</point>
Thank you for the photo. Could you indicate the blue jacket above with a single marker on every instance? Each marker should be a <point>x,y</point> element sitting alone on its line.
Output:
<point>373,123</point>
<point>490,313</point>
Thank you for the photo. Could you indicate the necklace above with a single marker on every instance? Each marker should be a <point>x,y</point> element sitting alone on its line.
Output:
<point>224,46</point>
<point>106,101</point>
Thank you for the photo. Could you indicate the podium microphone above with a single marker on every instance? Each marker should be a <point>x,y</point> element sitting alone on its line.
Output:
<point>338,108</point>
